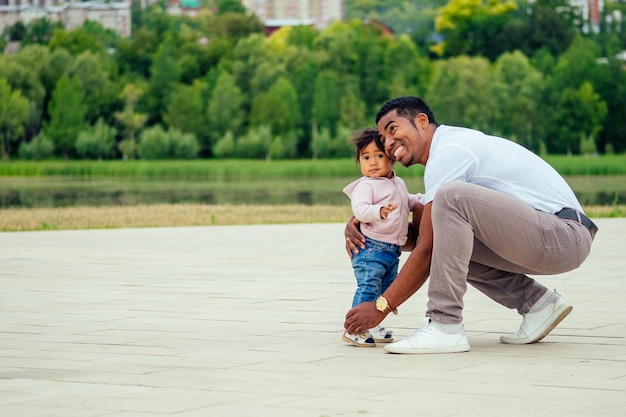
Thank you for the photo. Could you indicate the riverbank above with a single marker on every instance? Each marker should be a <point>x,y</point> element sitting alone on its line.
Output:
<point>228,169</point>
<point>178,215</point>
<point>166,215</point>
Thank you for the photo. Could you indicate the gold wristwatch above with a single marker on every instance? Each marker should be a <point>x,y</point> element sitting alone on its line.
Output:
<point>382,305</point>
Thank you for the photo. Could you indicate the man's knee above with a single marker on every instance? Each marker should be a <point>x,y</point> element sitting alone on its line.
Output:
<point>449,192</point>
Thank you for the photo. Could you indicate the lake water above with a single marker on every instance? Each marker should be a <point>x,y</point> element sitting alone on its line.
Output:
<point>63,192</point>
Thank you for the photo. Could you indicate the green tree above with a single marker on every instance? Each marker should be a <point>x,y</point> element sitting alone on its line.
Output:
<point>335,48</point>
<point>300,36</point>
<point>302,69</point>
<point>611,85</point>
<point>403,76</point>
<point>67,112</point>
<point>326,101</point>
<point>13,114</point>
<point>165,75</point>
<point>36,59</point>
<point>15,32</point>
<point>186,112</point>
<point>230,25</point>
<point>461,93</point>
<point>471,26</point>
<point>550,27</point>
<point>154,20</point>
<point>130,120</point>
<point>100,96</point>
<point>134,55</point>
<point>23,78</point>
<point>225,110</point>
<point>574,67</point>
<point>228,6</point>
<point>352,111</point>
<point>40,31</point>
<point>579,115</point>
<point>516,88</point>
<point>192,47</point>
<point>76,41</point>
<point>278,108</point>
<point>255,66</point>
<point>56,65</point>
<point>368,70</point>
<point>579,63</point>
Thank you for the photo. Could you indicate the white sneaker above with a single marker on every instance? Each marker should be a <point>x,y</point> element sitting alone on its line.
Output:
<point>535,326</point>
<point>381,335</point>
<point>431,338</point>
<point>360,340</point>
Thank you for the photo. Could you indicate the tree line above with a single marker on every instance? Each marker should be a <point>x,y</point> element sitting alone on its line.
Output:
<point>215,86</point>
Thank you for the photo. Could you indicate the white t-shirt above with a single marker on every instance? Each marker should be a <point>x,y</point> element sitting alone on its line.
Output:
<point>460,154</point>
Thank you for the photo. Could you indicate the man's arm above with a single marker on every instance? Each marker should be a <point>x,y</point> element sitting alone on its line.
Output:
<point>414,225</point>
<point>413,275</point>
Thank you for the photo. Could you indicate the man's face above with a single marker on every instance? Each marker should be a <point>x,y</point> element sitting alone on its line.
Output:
<point>401,138</point>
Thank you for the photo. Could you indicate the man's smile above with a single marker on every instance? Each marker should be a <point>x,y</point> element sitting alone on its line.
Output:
<point>398,152</point>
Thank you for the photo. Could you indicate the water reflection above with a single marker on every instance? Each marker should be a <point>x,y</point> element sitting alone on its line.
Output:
<point>69,198</point>
<point>86,193</point>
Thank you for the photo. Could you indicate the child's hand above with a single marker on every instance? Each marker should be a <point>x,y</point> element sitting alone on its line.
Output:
<point>385,210</point>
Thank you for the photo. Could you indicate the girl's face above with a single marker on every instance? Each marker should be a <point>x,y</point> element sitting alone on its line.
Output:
<point>374,162</point>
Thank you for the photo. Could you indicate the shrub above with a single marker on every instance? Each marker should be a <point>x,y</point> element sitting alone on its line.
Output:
<point>284,146</point>
<point>320,145</point>
<point>97,142</point>
<point>127,148</point>
<point>39,148</point>
<point>156,143</point>
<point>255,143</point>
<point>225,147</point>
<point>183,145</point>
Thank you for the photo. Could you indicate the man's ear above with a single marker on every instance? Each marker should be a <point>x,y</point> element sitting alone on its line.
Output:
<point>421,120</point>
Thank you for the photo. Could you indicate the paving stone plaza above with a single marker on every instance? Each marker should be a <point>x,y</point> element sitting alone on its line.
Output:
<point>247,321</point>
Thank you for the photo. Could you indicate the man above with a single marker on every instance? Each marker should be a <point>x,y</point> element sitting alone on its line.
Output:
<point>493,212</point>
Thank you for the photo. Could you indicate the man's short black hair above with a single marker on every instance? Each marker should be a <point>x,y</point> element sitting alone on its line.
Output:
<point>408,107</point>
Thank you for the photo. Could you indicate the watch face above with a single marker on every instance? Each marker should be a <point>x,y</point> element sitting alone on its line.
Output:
<point>381,304</point>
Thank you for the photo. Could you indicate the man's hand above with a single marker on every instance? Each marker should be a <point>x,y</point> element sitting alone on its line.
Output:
<point>362,318</point>
<point>354,238</point>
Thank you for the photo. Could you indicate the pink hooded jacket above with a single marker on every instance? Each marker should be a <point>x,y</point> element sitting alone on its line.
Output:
<point>368,195</point>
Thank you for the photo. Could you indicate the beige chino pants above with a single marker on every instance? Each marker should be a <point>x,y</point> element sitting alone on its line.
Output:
<point>492,240</point>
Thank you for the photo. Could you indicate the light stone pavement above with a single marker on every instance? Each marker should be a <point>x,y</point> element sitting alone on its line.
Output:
<point>247,321</point>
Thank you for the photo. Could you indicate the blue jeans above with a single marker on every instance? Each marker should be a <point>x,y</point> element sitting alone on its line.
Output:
<point>375,268</point>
